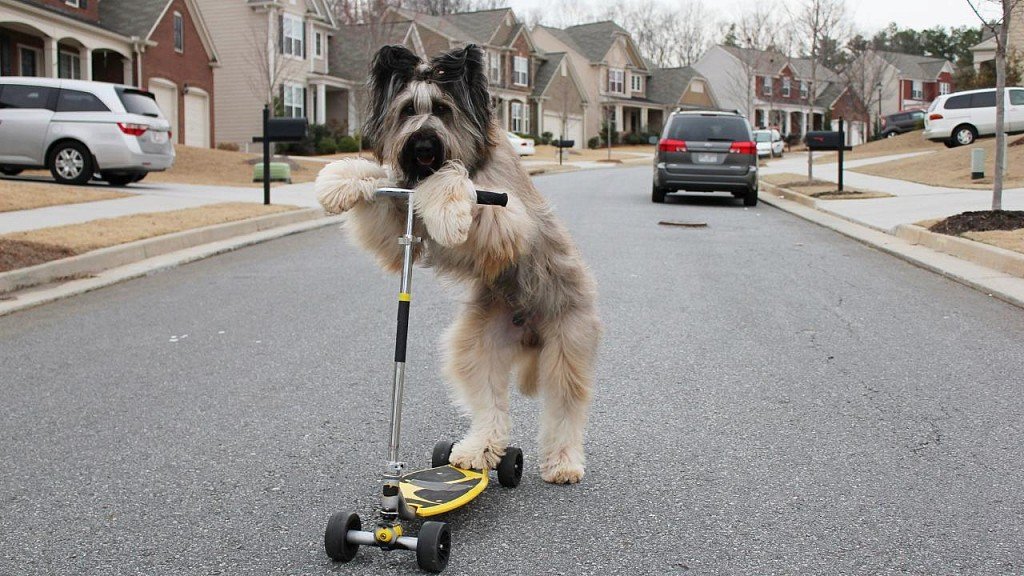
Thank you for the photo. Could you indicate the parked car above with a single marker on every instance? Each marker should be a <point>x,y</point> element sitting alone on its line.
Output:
<point>901,123</point>
<point>702,151</point>
<point>79,129</point>
<point>769,143</point>
<point>959,119</point>
<point>523,146</point>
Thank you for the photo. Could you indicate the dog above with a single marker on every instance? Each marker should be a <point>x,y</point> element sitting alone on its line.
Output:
<point>532,301</point>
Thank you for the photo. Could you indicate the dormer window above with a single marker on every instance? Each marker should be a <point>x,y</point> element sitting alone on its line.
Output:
<point>521,71</point>
<point>787,85</point>
<point>766,85</point>
<point>636,83</point>
<point>616,81</point>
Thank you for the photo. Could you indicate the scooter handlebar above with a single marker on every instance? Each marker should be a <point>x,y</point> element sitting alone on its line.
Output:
<point>482,196</point>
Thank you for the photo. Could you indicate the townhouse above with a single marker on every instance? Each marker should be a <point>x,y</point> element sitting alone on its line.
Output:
<point>163,46</point>
<point>909,81</point>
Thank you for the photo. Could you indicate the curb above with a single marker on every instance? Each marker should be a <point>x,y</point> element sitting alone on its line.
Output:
<point>978,252</point>
<point>998,284</point>
<point>119,263</point>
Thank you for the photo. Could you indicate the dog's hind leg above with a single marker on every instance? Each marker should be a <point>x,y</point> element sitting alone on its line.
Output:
<point>480,350</point>
<point>566,374</point>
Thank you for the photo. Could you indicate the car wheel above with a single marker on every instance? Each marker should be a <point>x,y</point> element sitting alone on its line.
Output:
<point>891,134</point>
<point>949,143</point>
<point>750,199</point>
<point>70,163</point>
<point>964,135</point>
<point>9,171</point>
<point>657,194</point>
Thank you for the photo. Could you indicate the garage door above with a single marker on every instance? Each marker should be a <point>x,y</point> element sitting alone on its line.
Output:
<point>166,93</point>
<point>573,127</point>
<point>197,119</point>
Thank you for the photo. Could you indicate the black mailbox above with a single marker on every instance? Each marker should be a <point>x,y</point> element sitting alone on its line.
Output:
<point>824,140</point>
<point>286,129</point>
<point>563,143</point>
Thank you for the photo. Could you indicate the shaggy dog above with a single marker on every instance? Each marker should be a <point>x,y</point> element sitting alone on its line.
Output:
<point>532,300</point>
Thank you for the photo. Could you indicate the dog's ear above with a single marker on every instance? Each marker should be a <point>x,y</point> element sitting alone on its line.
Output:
<point>462,74</point>
<point>392,68</point>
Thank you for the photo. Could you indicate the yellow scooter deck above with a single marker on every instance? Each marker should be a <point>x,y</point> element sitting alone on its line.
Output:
<point>443,489</point>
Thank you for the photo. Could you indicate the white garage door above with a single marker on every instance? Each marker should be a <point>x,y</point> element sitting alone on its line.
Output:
<point>197,119</point>
<point>573,127</point>
<point>166,93</point>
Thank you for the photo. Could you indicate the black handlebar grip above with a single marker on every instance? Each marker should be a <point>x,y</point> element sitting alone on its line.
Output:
<point>491,198</point>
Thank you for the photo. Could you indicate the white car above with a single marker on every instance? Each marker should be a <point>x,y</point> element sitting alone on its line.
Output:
<point>523,146</point>
<point>79,129</point>
<point>958,119</point>
<point>769,143</point>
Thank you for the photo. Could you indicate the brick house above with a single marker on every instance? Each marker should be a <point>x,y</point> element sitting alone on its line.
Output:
<point>158,45</point>
<point>910,81</point>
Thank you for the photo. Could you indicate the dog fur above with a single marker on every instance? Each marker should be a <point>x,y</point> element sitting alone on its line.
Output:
<point>532,304</point>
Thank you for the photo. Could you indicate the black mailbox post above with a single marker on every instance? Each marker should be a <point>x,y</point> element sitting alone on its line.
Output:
<point>277,130</point>
<point>827,141</point>
<point>562,144</point>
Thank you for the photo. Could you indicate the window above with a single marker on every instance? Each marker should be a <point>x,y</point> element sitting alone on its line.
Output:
<point>69,65</point>
<point>636,83</point>
<point>74,3</point>
<point>787,84</point>
<point>917,90</point>
<point>294,101</point>
<point>76,101</point>
<point>520,71</point>
<point>805,90</point>
<point>944,88</point>
<point>29,61</point>
<point>1016,97</point>
<point>139,102</point>
<point>318,44</point>
<point>766,86</point>
<point>494,59</point>
<point>30,97</point>
<point>179,33</point>
<point>986,99</point>
<point>697,87</point>
<point>709,128</point>
<point>959,102</point>
<point>616,81</point>
<point>520,120</point>
<point>293,35</point>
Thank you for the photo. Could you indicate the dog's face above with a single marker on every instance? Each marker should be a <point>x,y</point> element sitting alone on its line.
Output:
<point>423,114</point>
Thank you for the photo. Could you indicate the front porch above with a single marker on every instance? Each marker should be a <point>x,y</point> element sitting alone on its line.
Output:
<point>26,50</point>
<point>636,118</point>
<point>788,121</point>
<point>336,102</point>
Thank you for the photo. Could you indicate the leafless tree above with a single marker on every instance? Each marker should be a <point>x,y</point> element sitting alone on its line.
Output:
<point>265,57</point>
<point>754,31</point>
<point>864,74</point>
<point>999,26</point>
<point>667,35</point>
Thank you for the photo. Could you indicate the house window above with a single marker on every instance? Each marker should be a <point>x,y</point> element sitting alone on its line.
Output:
<point>294,101</point>
<point>179,33</point>
<point>636,83</point>
<point>520,119</point>
<point>944,88</point>
<point>805,90</point>
<point>494,58</point>
<point>73,3</point>
<point>766,86</point>
<point>520,71</point>
<point>917,90</point>
<point>69,65</point>
<point>29,61</point>
<point>292,35</point>
<point>318,41</point>
<point>787,85</point>
<point>616,81</point>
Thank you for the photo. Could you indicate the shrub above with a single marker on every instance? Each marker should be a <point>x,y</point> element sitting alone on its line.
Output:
<point>594,143</point>
<point>546,137</point>
<point>347,144</point>
<point>326,145</point>
<point>229,146</point>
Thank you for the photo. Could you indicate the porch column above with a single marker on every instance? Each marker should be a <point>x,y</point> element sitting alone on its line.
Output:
<point>85,55</point>
<point>50,58</point>
<point>126,65</point>
<point>354,122</point>
<point>321,104</point>
<point>803,123</point>
<point>618,118</point>
<point>643,120</point>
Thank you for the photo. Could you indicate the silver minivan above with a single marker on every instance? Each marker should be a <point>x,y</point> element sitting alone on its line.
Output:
<point>81,130</point>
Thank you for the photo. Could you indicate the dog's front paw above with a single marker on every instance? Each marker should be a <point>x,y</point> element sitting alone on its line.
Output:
<point>340,185</point>
<point>445,202</point>
<point>562,469</point>
<point>476,454</point>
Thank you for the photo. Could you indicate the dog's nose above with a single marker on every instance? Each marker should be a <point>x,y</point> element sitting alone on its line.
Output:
<point>425,148</point>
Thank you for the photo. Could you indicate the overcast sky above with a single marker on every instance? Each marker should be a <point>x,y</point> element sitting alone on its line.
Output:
<point>868,15</point>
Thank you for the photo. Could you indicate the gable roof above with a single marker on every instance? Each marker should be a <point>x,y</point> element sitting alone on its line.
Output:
<point>913,66</point>
<point>595,39</point>
<point>480,26</point>
<point>132,17</point>
<point>562,36</point>
<point>546,71</point>
<point>667,85</point>
<point>350,59</point>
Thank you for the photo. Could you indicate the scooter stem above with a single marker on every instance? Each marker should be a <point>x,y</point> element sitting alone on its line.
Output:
<point>408,241</point>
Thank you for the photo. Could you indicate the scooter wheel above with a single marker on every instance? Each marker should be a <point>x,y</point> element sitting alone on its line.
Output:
<point>510,469</point>
<point>433,546</point>
<point>442,452</point>
<point>335,542</point>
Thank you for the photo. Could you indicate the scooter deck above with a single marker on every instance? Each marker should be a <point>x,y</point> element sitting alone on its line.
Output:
<point>443,489</point>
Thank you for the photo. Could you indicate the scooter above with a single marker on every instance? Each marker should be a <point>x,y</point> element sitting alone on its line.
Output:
<point>423,493</point>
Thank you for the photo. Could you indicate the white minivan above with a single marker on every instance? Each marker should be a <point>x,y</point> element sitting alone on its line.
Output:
<point>80,130</point>
<point>958,119</point>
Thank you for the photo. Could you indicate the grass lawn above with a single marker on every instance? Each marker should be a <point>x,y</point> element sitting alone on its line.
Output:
<point>26,195</point>
<point>21,249</point>
<point>820,189</point>
<point>952,167</point>
<point>224,168</point>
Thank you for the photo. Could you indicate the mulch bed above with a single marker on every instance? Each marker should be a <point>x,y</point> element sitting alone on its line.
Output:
<point>980,221</point>
<point>18,254</point>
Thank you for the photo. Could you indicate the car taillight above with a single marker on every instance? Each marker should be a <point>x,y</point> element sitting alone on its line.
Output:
<point>667,145</point>
<point>743,148</point>
<point>935,117</point>
<point>133,129</point>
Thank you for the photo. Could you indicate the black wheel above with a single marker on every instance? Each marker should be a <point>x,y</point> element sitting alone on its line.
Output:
<point>949,143</point>
<point>890,134</point>
<point>751,197</point>
<point>433,546</point>
<point>964,135</point>
<point>335,542</point>
<point>120,179</point>
<point>442,452</point>
<point>70,163</point>
<point>10,171</point>
<point>657,194</point>
<point>510,469</point>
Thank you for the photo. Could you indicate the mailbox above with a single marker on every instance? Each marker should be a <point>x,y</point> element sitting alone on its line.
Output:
<point>824,140</point>
<point>286,129</point>
<point>563,143</point>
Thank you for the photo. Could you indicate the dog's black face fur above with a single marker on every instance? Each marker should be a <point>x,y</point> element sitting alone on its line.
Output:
<point>423,114</point>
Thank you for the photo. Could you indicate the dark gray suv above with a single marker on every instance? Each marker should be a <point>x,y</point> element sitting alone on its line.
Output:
<point>703,151</point>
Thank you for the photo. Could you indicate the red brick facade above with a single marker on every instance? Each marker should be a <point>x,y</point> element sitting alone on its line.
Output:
<point>850,108</point>
<point>778,83</point>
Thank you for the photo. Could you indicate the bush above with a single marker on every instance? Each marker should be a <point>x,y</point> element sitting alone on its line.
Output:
<point>326,145</point>
<point>594,143</point>
<point>229,146</point>
<point>347,144</point>
<point>546,137</point>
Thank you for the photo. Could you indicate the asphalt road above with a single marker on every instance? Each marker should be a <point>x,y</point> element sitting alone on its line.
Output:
<point>772,399</point>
